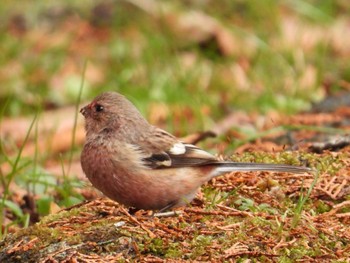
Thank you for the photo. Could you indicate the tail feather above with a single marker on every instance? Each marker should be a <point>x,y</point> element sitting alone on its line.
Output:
<point>226,167</point>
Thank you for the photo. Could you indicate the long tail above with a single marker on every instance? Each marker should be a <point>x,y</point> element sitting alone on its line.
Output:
<point>225,167</point>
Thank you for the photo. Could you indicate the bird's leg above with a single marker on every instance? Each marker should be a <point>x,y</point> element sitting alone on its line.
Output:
<point>164,213</point>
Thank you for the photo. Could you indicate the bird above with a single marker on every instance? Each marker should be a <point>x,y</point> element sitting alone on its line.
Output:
<point>144,167</point>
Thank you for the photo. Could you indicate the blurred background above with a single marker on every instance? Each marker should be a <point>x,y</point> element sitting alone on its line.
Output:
<point>187,65</point>
<point>271,55</point>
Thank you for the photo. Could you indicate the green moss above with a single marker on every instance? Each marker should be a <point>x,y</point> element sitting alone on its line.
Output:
<point>322,207</point>
<point>174,250</point>
<point>156,246</point>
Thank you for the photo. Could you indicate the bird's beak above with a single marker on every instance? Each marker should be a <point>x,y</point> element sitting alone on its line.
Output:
<point>84,110</point>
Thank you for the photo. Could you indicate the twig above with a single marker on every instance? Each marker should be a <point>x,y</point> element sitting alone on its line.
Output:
<point>133,219</point>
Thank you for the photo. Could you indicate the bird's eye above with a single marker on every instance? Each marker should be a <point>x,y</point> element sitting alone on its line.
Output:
<point>99,108</point>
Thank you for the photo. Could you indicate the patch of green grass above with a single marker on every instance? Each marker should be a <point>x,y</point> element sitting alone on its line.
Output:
<point>6,180</point>
<point>28,174</point>
<point>303,198</point>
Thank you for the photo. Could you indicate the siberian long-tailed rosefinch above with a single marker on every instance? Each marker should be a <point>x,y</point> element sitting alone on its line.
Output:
<point>142,166</point>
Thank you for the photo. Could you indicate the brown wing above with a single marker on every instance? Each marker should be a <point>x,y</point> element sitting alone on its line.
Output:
<point>165,151</point>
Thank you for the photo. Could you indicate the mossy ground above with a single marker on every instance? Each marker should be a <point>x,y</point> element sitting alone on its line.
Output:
<point>236,217</point>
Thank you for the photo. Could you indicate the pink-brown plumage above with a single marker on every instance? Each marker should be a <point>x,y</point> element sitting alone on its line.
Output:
<point>142,166</point>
